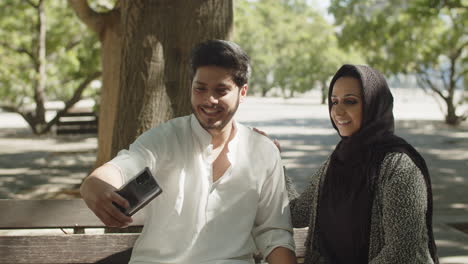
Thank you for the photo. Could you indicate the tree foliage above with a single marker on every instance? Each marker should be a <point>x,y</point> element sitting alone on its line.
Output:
<point>427,38</point>
<point>291,45</point>
<point>45,56</point>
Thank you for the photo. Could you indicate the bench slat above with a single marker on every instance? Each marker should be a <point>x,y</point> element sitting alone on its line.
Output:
<point>92,114</point>
<point>107,248</point>
<point>77,123</point>
<point>33,214</point>
<point>64,131</point>
<point>89,123</point>
<point>25,214</point>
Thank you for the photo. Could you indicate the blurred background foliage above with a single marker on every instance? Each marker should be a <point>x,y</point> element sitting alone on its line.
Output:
<point>294,46</point>
<point>72,52</point>
<point>424,38</point>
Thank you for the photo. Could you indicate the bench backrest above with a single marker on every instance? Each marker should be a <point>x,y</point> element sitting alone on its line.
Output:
<point>77,123</point>
<point>77,246</point>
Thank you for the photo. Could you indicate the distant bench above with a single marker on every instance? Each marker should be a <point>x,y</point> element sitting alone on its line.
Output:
<point>112,247</point>
<point>77,123</point>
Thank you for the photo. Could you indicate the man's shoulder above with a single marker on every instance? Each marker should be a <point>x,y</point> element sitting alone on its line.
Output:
<point>257,141</point>
<point>169,128</point>
<point>174,123</point>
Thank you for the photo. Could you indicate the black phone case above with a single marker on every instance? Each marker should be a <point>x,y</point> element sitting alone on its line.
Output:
<point>139,191</point>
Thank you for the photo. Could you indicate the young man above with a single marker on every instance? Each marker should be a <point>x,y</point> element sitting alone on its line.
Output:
<point>223,186</point>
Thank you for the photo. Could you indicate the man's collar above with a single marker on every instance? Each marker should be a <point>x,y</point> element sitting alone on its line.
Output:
<point>204,137</point>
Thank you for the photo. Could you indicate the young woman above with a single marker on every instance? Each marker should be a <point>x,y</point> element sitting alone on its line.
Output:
<point>371,201</point>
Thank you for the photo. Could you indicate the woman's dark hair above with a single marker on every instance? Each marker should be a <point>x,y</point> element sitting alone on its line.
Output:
<point>225,54</point>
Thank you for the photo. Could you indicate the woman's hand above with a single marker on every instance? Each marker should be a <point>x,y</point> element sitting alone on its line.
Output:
<point>275,141</point>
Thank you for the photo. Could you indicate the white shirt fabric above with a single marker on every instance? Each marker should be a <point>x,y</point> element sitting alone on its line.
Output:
<point>196,220</point>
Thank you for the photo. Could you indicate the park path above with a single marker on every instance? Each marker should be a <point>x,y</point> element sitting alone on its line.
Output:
<point>51,167</point>
<point>307,138</point>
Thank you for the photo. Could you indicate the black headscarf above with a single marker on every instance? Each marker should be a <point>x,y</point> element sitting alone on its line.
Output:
<point>345,202</point>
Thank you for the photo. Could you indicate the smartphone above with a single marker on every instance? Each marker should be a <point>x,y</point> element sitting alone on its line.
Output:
<point>139,191</point>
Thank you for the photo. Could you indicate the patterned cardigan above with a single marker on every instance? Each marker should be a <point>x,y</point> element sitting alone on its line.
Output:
<point>398,231</point>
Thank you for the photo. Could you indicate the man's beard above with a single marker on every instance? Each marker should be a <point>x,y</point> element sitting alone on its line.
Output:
<point>224,122</point>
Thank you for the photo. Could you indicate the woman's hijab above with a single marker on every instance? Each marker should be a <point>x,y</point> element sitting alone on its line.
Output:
<point>348,189</point>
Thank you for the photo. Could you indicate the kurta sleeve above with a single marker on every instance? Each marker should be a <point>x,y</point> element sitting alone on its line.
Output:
<point>272,227</point>
<point>143,152</point>
<point>404,213</point>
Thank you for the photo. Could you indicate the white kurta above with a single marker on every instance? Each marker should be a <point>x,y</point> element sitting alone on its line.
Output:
<point>196,220</point>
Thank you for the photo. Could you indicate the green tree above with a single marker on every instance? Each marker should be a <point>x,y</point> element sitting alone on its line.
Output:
<point>291,45</point>
<point>427,38</point>
<point>45,56</point>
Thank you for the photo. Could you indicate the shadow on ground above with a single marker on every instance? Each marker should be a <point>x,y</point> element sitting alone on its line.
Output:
<point>50,166</point>
<point>43,166</point>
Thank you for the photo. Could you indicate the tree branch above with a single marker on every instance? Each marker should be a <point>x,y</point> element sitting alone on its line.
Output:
<point>19,50</point>
<point>91,18</point>
<point>27,116</point>
<point>73,43</point>
<point>70,45</point>
<point>9,108</point>
<point>444,81</point>
<point>32,4</point>
<point>456,55</point>
<point>424,78</point>
<point>73,100</point>
<point>77,94</point>
<point>453,4</point>
<point>452,84</point>
<point>461,75</point>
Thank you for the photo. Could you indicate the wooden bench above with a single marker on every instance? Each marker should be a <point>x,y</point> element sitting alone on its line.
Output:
<point>77,123</point>
<point>76,244</point>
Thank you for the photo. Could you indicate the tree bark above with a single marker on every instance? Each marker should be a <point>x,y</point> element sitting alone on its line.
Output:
<point>158,37</point>
<point>451,117</point>
<point>39,87</point>
<point>324,91</point>
<point>108,27</point>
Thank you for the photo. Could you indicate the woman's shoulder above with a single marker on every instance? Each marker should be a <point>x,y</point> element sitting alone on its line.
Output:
<point>397,159</point>
<point>399,167</point>
<point>322,168</point>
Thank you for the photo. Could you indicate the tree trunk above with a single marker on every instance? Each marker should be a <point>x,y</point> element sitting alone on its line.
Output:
<point>108,27</point>
<point>324,91</point>
<point>111,40</point>
<point>158,37</point>
<point>39,87</point>
<point>451,118</point>
<point>264,91</point>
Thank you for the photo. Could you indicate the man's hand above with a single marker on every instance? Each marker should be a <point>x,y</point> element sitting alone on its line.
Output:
<point>98,193</point>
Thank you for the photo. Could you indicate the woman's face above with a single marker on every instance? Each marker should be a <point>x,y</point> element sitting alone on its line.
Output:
<point>346,111</point>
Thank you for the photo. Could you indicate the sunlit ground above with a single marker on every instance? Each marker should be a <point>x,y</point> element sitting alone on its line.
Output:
<point>53,166</point>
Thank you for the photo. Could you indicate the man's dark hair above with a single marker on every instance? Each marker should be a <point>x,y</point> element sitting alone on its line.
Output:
<point>225,54</point>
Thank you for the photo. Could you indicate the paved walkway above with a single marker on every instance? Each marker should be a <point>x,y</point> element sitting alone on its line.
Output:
<point>307,138</point>
<point>42,167</point>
